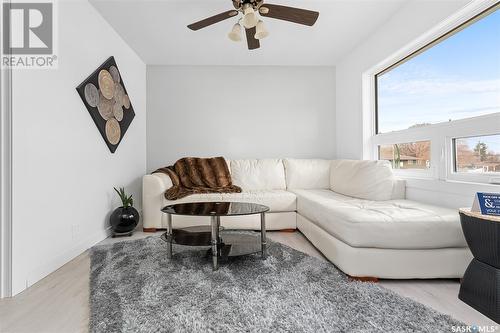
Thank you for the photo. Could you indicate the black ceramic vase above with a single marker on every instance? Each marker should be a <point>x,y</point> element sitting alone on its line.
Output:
<point>124,220</point>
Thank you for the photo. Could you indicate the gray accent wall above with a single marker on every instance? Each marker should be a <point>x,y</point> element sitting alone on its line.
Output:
<point>239,112</point>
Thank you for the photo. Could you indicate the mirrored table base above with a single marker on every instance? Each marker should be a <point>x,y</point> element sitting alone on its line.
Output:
<point>226,244</point>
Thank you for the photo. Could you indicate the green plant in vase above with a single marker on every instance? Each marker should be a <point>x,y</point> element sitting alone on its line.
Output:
<point>127,201</point>
<point>125,218</point>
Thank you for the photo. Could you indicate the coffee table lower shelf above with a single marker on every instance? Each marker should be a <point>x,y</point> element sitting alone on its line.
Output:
<point>231,243</point>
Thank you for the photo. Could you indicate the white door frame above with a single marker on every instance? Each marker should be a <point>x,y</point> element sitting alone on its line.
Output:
<point>5,177</point>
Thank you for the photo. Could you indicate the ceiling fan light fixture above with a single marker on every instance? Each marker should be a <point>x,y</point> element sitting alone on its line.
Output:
<point>249,17</point>
<point>264,10</point>
<point>235,34</point>
<point>252,11</point>
<point>261,31</point>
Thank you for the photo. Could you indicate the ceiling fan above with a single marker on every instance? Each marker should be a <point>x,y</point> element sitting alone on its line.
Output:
<point>254,27</point>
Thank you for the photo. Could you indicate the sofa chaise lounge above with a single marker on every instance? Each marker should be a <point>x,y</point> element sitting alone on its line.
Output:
<point>354,212</point>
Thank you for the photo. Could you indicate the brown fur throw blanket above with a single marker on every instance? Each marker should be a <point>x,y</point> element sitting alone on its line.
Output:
<point>191,175</point>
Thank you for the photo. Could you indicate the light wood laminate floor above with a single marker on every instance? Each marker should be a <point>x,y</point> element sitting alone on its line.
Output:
<point>59,302</point>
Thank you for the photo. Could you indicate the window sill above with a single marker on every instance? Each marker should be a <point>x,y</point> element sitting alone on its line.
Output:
<point>414,174</point>
<point>451,186</point>
<point>477,180</point>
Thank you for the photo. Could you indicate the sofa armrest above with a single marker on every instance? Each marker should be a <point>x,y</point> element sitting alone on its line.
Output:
<point>398,189</point>
<point>153,190</point>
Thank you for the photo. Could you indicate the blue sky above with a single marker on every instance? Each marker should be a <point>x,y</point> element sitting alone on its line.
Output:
<point>491,141</point>
<point>457,78</point>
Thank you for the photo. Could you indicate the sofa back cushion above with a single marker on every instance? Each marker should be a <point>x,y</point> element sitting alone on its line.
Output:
<point>371,180</point>
<point>265,174</point>
<point>305,174</point>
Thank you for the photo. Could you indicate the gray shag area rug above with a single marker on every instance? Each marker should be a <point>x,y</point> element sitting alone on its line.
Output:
<point>135,288</point>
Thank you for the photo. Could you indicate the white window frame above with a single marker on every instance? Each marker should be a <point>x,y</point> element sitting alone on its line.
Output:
<point>440,134</point>
<point>487,177</point>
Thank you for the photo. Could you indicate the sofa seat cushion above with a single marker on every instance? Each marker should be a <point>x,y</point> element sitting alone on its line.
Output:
<point>276,200</point>
<point>202,197</point>
<point>392,224</point>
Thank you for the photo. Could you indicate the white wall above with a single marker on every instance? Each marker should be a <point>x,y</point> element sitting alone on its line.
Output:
<point>239,112</point>
<point>409,23</point>
<point>406,25</point>
<point>63,171</point>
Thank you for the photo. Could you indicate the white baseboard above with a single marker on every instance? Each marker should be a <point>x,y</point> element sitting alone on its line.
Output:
<point>52,265</point>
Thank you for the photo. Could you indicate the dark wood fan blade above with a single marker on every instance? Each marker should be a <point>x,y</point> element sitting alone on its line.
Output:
<point>251,41</point>
<point>212,20</point>
<point>295,15</point>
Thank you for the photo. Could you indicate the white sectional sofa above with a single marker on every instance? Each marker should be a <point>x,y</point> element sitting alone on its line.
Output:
<point>354,212</point>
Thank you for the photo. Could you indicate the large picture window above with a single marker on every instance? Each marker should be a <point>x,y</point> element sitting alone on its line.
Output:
<point>456,77</point>
<point>437,110</point>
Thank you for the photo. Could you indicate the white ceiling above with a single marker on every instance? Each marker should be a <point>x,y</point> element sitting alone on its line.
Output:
<point>157,31</point>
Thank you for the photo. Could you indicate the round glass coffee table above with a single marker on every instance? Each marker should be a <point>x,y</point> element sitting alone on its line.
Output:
<point>209,235</point>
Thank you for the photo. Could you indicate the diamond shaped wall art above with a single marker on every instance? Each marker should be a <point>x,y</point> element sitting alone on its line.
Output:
<point>106,98</point>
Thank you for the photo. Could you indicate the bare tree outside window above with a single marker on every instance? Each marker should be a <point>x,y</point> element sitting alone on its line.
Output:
<point>413,155</point>
<point>477,154</point>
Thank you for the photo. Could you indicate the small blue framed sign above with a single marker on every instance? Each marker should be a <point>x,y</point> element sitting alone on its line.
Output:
<point>487,203</point>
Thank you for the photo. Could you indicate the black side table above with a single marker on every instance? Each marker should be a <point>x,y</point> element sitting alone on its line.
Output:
<point>480,287</point>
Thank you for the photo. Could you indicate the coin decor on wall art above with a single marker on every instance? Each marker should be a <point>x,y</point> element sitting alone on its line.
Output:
<point>106,98</point>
